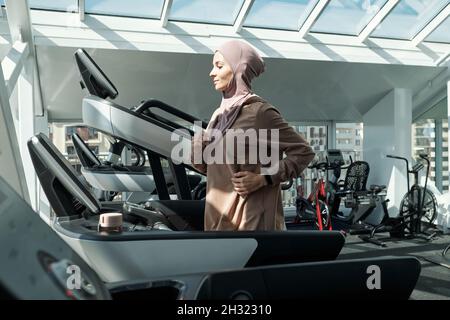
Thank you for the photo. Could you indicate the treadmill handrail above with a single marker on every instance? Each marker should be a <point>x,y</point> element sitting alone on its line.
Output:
<point>153,103</point>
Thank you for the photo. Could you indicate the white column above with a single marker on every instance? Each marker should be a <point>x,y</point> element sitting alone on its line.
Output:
<point>387,130</point>
<point>28,97</point>
<point>11,169</point>
<point>26,127</point>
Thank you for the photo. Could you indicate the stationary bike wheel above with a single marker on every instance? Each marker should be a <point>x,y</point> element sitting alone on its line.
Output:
<point>325,213</point>
<point>429,205</point>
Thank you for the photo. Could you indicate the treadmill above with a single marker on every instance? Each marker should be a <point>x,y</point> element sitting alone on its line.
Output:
<point>159,243</point>
<point>147,130</point>
<point>37,264</point>
<point>137,126</point>
<point>112,176</point>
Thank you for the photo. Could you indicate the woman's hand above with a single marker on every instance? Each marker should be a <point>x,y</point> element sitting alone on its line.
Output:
<point>246,182</point>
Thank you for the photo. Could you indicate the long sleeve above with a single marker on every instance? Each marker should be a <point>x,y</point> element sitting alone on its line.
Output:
<point>197,147</point>
<point>298,151</point>
<point>198,144</point>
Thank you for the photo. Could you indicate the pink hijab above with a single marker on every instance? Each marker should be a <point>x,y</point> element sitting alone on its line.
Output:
<point>246,64</point>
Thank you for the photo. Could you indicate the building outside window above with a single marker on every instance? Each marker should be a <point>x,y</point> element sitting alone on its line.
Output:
<point>430,136</point>
<point>84,132</point>
<point>317,137</point>
<point>349,139</point>
<point>61,136</point>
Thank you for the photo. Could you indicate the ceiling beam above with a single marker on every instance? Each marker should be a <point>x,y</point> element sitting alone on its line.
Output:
<point>19,21</point>
<point>431,26</point>
<point>315,13</point>
<point>377,19</point>
<point>81,9</point>
<point>62,29</point>
<point>243,13</point>
<point>13,64</point>
<point>166,12</point>
<point>12,167</point>
<point>443,60</point>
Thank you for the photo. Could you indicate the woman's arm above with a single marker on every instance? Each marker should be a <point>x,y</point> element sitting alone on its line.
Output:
<point>298,151</point>
<point>197,146</point>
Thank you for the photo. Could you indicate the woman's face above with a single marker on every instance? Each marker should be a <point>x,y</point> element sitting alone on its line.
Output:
<point>221,73</point>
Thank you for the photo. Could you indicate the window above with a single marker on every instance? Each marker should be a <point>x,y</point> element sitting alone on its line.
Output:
<point>135,8</point>
<point>61,136</point>
<point>430,137</point>
<point>347,17</point>
<point>317,137</point>
<point>408,18</point>
<point>279,14</point>
<point>70,150</point>
<point>208,11</point>
<point>85,133</point>
<point>57,5</point>
<point>69,132</point>
<point>349,140</point>
<point>441,34</point>
<point>423,139</point>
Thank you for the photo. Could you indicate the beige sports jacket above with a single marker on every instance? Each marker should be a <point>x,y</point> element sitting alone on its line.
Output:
<point>225,209</point>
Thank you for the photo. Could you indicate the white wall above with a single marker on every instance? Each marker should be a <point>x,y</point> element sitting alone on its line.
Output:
<point>387,130</point>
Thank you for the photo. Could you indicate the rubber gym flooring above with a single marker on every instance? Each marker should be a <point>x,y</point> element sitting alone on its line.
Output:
<point>434,281</point>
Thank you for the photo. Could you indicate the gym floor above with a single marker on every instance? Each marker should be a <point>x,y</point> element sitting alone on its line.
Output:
<point>434,281</point>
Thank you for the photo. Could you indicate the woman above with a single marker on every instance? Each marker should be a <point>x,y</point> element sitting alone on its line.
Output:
<point>238,196</point>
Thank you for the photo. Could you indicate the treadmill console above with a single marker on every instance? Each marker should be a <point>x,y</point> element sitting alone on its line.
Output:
<point>35,262</point>
<point>93,78</point>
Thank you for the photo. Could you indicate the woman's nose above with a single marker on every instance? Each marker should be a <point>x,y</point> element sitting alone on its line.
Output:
<point>212,73</point>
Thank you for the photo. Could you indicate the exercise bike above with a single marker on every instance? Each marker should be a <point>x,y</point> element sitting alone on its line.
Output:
<point>352,192</point>
<point>418,205</point>
<point>314,210</point>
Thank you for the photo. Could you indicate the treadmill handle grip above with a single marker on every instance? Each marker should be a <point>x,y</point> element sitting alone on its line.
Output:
<point>394,157</point>
<point>152,103</point>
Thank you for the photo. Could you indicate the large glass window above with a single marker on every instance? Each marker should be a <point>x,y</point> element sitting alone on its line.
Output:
<point>424,141</point>
<point>445,166</point>
<point>61,136</point>
<point>135,8</point>
<point>441,33</point>
<point>349,139</point>
<point>430,136</point>
<point>84,132</point>
<point>347,16</point>
<point>57,5</point>
<point>408,18</point>
<point>279,14</point>
<point>317,137</point>
<point>208,11</point>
